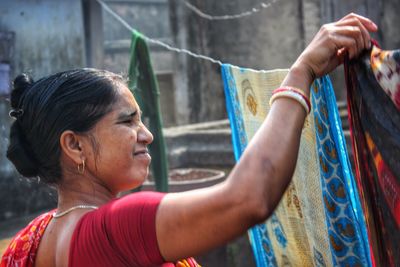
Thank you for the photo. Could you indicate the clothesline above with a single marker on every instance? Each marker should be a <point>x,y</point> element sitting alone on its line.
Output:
<point>229,17</point>
<point>160,43</point>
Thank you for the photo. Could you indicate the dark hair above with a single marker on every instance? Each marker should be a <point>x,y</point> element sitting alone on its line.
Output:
<point>71,100</point>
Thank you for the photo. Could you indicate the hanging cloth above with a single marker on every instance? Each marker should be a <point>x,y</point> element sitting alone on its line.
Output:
<point>144,86</point>
<point>319,221</point>
<point>373,85</point>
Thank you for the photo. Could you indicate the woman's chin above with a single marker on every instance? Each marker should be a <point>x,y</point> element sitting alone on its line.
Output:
<point>136,183</point>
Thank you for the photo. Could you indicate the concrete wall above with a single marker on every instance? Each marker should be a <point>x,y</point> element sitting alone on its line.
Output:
<point>49,34</point>
<point>49,37</point>
<point>271,38</point>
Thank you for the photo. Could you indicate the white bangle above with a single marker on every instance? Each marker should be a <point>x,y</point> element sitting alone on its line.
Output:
<point>290,94</point>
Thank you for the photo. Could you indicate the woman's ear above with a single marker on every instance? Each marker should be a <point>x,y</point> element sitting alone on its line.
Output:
<point>71,146</point>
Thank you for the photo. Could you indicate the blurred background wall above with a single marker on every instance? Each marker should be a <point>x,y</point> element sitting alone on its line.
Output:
<point>271,38</point>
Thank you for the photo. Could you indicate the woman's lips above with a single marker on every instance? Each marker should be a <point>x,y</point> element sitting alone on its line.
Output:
<point>143,154</point>
<point>140,152</point>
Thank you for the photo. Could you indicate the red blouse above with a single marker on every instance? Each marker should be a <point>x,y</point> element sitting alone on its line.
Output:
<point>120,233</point>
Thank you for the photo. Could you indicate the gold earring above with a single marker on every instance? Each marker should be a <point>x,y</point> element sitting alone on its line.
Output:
<point>81,170</point>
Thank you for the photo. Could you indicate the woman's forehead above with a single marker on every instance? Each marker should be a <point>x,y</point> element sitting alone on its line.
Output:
<point>125,100</point>
<point>125,95</point>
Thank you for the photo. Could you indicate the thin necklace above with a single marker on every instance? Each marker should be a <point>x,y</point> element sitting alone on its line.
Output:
<point>58,215</point>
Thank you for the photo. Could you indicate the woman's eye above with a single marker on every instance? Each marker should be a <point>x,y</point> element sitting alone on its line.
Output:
<point>127,122</point>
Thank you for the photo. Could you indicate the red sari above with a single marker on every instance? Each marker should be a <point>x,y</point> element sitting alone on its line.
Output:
<point>23,248</point>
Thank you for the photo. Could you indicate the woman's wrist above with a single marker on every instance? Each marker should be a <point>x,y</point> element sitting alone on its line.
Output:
<point>300,77</point>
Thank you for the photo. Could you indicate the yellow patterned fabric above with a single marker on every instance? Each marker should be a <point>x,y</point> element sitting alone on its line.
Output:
<point>301,231</point>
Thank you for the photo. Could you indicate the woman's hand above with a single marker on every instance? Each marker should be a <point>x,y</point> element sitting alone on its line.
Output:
<point>329,46</point>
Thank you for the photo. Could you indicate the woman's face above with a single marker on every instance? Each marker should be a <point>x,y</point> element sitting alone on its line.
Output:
<point>121,159</point>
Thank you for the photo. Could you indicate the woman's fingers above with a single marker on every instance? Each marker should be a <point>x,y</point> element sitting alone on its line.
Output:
<point>334,40</point>
<point>356,27</point>
<point>366,22</point>
<point>348,44</point>
<point>357,23</point>
<point>351,38</point>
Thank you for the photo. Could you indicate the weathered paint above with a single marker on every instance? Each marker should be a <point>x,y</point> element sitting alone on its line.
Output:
<point>49,34</point>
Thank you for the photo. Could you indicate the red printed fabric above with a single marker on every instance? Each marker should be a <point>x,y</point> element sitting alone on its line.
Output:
<point>22,250</point>
<point>373,85</point>
<point>120,233</point>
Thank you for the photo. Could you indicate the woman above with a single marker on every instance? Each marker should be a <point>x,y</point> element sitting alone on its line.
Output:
<point>81,131</point>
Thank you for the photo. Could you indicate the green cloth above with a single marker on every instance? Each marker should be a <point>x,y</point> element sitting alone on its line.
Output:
<point>144,86</point>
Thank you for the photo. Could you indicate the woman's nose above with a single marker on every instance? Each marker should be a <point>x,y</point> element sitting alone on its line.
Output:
<point>144,135</point>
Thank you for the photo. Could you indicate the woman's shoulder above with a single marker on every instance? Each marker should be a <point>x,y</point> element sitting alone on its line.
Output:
<point>135,210</point>
<point>123,229</point>
<point>138,200</point>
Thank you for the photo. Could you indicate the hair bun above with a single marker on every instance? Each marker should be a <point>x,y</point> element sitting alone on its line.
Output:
<point>19,153</point>
<point>21,83</point>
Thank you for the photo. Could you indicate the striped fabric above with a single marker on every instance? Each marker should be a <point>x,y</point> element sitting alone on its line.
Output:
<point>373,84</point>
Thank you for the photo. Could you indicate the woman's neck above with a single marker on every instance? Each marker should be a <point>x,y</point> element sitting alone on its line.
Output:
<point>82,191</point>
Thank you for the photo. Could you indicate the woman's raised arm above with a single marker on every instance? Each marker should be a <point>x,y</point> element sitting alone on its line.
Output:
<point>192,222</point>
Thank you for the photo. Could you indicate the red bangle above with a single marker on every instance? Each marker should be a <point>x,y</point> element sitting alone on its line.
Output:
<point>294,89</point>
